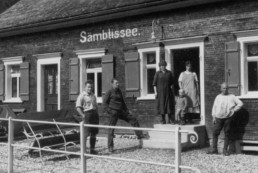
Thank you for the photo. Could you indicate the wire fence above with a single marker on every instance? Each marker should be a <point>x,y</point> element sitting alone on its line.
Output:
<point>83,167</point>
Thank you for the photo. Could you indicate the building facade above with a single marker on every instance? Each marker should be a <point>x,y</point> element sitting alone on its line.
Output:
<point>49,48</point>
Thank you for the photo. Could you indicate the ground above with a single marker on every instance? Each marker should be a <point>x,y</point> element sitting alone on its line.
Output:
<point>126,148</point>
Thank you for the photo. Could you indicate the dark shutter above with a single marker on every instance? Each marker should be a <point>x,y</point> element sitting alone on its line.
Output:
<point>132,74</point>
<point>107,72</point>
<point>232,67</point>
<point>24,83</point>
<point>74,79</point>
<point>2,82</point>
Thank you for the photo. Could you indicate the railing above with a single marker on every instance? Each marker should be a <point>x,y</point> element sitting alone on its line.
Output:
<point>177,166</point>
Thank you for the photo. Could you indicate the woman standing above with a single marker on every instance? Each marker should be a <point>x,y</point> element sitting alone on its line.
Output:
<point>188,81</point>
<point>163,83</point>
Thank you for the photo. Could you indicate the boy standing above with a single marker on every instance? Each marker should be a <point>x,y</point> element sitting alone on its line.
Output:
<point>224,107</point>
<point>181,107</point>
<point>87,108</point>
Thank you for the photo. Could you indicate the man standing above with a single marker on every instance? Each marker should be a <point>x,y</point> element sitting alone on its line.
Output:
<point>115,107</point>
<point>87,108</point>
<point>224,107</point>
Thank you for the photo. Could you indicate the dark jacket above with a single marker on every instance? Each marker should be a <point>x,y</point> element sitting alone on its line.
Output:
<point>114,100</point>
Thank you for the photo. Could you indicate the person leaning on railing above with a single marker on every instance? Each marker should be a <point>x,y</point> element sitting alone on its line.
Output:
<point>87,108</point>
<point>115,107</point>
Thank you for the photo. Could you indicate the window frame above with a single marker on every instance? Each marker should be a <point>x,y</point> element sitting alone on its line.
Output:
<point>143,71</point>
<point>244,59</point>
<point>83,55</point>
<point>8,63</point>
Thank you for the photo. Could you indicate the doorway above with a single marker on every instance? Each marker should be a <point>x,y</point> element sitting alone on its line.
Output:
<point>178,59</point>
<point>48,81</point>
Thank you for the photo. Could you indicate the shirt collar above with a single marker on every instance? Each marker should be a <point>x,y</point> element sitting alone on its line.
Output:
<point>86,94</point>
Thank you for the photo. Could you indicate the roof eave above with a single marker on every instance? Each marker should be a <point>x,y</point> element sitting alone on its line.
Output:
<point>98,17</point>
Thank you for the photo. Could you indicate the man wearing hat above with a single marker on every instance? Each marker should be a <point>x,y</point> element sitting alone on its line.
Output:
<point>163,84</point>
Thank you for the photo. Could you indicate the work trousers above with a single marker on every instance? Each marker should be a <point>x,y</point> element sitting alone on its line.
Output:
<point>91,117</point>
<point>114,115</point>
<point>221,123</point>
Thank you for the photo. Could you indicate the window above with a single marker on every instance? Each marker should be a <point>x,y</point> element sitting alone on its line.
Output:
<point>252,63</point>
<point>91,69</point>
<point>149,59</point>
<point>94,73</point>
<point>249,66</point>
<point>12,79</point>
<point>15,81</point>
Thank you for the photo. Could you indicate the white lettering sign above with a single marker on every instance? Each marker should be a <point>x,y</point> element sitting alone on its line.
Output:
<point>107,35</point>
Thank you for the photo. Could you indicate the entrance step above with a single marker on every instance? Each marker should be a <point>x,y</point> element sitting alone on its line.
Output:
<point>166,140</point>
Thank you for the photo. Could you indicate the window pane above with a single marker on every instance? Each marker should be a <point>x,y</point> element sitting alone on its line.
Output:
<point>14,87</point>
<point>252,76</point>
<point>15,69</point>
<point>90,76</point>
<point>150,76</point>
<point>93,63</point>
<point>99,94</point>
<point>56,91</point>
<point>50,83</point>
<point>151,58</point>
<point>252,49</point>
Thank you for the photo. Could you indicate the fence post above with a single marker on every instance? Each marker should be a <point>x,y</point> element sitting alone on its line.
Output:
<point>177,150</point>
<point>83,147</point>
<point>10,147</point>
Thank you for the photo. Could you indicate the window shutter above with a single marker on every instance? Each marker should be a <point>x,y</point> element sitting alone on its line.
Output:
<point>132,74</point>
<point>232,67</point>
<point>74,79</point>
<point>2,77</point>
<point>25,84</point>
<point>107,72</point>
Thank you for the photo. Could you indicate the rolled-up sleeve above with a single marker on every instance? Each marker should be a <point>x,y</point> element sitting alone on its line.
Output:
<point>79,102</point>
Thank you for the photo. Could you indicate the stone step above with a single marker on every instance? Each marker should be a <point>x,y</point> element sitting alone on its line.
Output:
<point>166,136</point>
<point>164,126</point>
<point>167,139</point>
<point>164,144</point>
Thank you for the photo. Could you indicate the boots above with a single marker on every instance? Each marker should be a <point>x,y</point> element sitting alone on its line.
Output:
<point>213,149</point>
<point>225,149</point>
<point>92,145</point>
<point>163,120</point>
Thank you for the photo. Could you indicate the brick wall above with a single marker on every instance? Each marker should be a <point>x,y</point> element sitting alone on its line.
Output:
<point>217,21</point>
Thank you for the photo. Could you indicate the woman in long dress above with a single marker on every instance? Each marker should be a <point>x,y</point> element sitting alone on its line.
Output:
<point>188,81</point>
<point>163,83</point>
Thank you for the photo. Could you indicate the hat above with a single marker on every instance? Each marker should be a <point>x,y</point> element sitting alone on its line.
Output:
<point>162,63</point>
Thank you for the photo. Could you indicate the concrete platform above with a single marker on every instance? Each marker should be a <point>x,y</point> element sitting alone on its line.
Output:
<point>166,140</point>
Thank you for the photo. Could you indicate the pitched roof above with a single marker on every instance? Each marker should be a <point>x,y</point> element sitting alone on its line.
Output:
<point>37,13</point>
<point>5,4</point>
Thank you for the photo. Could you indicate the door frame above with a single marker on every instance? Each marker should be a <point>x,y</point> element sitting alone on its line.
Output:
<point>42,60</point>
<point>200,45</point>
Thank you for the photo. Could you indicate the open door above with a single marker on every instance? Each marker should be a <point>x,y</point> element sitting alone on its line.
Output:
<point>178,59</point>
